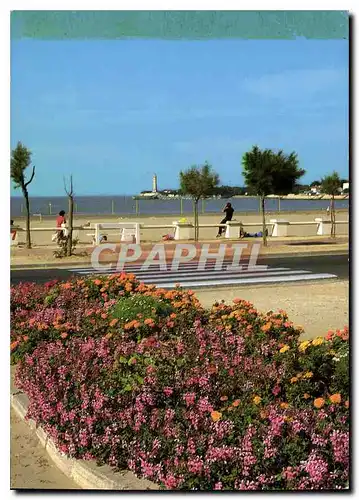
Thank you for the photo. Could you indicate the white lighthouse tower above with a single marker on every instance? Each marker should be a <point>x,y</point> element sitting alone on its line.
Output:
<point>154,183</point>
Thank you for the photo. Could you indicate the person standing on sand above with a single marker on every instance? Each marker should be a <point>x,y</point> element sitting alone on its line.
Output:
<point>228,210</point>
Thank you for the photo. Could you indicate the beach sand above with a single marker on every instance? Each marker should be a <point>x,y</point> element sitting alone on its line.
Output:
<point>40,238</point>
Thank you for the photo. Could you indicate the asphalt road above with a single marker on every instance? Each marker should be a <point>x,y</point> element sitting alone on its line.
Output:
<point>318,264</point>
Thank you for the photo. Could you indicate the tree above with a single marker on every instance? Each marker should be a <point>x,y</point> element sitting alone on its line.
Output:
<point>267,172</point>
<point>70,195</point>
<point>199,183</point>
<point>314,183</point>
<point>331,185</point>
<point>20,160</point>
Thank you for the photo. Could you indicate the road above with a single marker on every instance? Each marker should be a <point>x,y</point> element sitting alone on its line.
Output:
<point>279,270</point>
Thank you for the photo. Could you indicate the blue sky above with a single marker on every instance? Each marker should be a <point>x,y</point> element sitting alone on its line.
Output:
<point>114,112</point>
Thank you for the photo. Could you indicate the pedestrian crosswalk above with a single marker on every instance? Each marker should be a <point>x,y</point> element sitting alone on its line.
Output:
<point>189,276</point>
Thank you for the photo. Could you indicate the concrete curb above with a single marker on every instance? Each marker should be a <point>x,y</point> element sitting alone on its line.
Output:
<point>73,265</point>
<point>86,474</point>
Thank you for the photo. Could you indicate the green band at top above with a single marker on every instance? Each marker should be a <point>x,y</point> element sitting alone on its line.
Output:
<point>177,25</point>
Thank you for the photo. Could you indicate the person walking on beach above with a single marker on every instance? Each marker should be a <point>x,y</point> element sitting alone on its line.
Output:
<point>228,210</point>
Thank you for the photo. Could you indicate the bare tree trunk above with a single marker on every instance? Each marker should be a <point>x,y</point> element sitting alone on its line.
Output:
<point>332,218</point>
<point>264,227</point>
<point>70,224</point>
<point>70,195</point>
<point>27,205</point>
<point>196,220</point>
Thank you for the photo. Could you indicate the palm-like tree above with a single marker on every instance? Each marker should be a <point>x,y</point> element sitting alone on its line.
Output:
<point>331,185</point>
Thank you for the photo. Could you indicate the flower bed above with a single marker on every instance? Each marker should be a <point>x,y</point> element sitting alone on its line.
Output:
<point>223,399</point>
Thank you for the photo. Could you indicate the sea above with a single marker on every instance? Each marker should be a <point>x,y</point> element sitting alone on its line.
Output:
<point>126,205</point>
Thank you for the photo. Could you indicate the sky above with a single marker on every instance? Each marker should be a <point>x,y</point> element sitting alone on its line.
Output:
<point>112,113</point>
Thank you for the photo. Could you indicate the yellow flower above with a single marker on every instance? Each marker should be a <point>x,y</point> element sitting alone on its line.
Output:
<point>216,415</point>
<point>303,346</point>
<point>308,375</point>
<point>257,400</point>
<point>293,380</point>
<point>285,348</point>
<point>332,353</point>
<point>318,341</point>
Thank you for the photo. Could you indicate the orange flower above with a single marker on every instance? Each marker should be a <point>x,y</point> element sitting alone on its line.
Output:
<point>236,403</point>
<point>319,402</point>
<point>136,324</point>
<point>335,398</point>
<point>216,415</point>
<point>224,398</point>
<point>66,285</point>
<point>306,395</point>
<point>266,327</point>
<point>293,380</point>
<point>14,344</point>
<point>330,335</point>
<point>97,282</point>
<point>284,405</point>
<point>25,338</point>
<point>148,321</point>
<point>108,335</point>
<point>103,315</point>
<point>257,400</point>
<point>114,322</point>
<point>63,335</point>
<point>263,414</point>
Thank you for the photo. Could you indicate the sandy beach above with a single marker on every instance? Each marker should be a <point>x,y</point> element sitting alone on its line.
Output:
<point>41,238</point>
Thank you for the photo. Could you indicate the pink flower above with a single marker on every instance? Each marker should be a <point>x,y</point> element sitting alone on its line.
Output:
<point>276,390</point>
<point>168,391</point>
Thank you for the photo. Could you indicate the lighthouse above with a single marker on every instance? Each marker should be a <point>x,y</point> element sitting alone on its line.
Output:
<point>154,183</point>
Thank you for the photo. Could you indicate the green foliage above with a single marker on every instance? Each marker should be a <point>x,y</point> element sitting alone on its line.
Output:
<point>129,308</point>
<point>63,247</point>
<point>20,160</point>
<point>199,182</point>
<point>331,184</point>
<point>229,191</point>
<point>266,172</point>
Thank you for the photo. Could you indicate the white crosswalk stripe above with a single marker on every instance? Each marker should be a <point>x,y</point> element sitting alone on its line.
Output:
<point>189,276</point>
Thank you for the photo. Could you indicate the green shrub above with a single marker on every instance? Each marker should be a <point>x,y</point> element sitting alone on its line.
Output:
<point>131,308</point>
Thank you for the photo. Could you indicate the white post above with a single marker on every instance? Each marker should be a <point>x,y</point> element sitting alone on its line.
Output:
<point>233,229</point>
<point>137,233</point>
<point>324,227</point>
<point>280,227</point>
<point>97,234</point>
<point>183,230</point>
